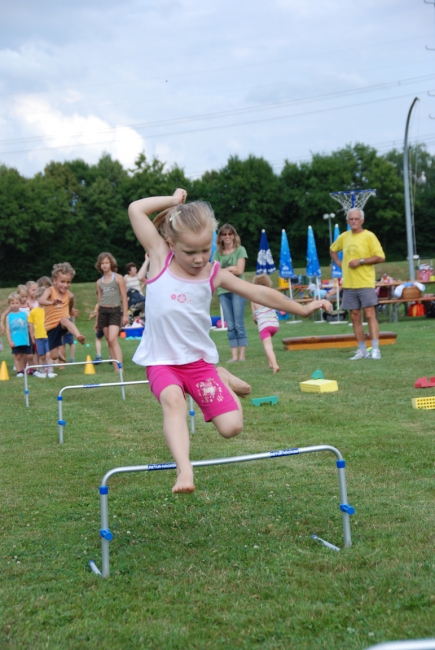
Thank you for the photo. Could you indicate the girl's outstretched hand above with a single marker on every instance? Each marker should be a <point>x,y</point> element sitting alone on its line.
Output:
<point>314,305</point>
<point>180,195</point>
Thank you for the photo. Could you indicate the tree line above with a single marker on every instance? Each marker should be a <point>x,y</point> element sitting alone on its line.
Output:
<point>72,210</point>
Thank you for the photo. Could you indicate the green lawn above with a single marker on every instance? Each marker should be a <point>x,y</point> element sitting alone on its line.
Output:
<point>234,565</point>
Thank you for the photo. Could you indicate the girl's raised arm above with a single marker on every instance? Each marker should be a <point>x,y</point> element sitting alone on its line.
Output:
<point>143,227</point>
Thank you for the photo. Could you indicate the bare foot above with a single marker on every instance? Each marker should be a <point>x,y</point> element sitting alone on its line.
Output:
<point>184,483</point>
<point>240,387</point>
<point>81,339</point>
<point>275,369</point>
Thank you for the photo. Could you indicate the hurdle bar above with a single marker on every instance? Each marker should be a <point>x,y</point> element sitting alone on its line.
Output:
<point>106,535</point>
<point>74,363</point>
<point>62,423</point>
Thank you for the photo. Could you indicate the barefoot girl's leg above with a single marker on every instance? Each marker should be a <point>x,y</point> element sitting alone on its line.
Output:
<point>236,385</point>
<point>270,354</point>
<point>177,435</point>
<point>231,424</point>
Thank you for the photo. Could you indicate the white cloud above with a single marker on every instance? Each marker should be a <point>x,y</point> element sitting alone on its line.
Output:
<point>72,135</point>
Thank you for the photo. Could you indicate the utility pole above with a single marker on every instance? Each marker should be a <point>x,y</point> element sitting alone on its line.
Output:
<point>409,237</point>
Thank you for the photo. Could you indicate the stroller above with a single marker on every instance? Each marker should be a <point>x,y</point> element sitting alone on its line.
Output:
<point>136,305</point>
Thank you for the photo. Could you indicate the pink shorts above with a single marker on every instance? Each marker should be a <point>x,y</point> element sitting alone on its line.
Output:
<point>267,332</point>
<point>200,380</point>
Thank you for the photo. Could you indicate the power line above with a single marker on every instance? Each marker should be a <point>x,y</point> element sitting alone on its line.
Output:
<point>234,112</point>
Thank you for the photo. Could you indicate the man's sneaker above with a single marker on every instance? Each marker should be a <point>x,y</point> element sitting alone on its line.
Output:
<point>20,374</point>
<point>376,354</point>
<point>51,375</point>
<point>98,359</point>
<point>71,360</point>
<point>40,375</point>
<point>360,355</point>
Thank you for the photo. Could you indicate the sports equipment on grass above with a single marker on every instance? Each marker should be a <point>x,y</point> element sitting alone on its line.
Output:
<point>258,401</point>
<point>423,403</point>
<point>333,341</point>
<point>106,535</point>
<point>76,363</point>
<point>319,386</point>
<point>424,382</point>
<point>4,375</point>
<point>62,423</point>
<point>89,367</point>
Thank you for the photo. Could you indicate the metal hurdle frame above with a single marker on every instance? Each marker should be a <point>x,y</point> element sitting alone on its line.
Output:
<point>74,363</point>
<point>106,535</point>
<point>62,423</point>
<point>415,644</point>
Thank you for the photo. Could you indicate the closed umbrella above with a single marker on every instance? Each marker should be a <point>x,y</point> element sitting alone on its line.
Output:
<point>265,262</point>
<point>313,265</point>
<point>286,267</point>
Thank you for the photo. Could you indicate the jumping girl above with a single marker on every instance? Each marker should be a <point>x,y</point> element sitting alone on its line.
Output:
<point>176,347</point>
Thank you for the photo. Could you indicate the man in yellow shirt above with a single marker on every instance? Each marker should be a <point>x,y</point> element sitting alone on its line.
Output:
<point>361,251</point>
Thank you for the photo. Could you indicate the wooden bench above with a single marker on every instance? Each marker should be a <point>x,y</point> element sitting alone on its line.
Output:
<point>333,341</point>
<point>395,302</point>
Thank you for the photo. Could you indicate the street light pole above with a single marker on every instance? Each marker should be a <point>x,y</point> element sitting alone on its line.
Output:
<point>329,217</point>
<point>409,237</point>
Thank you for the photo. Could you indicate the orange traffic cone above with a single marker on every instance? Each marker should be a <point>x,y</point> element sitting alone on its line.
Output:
<point>89,367</point>
<point>4,375</point>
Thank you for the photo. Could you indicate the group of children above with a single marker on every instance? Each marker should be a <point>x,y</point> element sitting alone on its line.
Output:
<point>38,322</point>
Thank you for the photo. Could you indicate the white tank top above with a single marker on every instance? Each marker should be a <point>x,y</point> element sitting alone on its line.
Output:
<point>177,320</point>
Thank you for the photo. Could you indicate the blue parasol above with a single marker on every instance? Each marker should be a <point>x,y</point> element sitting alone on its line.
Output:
<point>336,270</point>
<point>213,245</point>
<point>285,260</point>
<point>265,262</point>
<point>313,266</point>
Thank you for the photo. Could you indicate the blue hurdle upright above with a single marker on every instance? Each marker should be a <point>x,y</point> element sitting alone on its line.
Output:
<point>107,536</point>
<point>62,423</point>
<point>74,363</point>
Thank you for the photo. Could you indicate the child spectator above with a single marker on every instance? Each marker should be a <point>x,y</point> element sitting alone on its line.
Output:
<point>267,322</point>
<point>111,295</point>
<point>44,281</point>
<point>40,338</point>
<point>31,288</point>
<point>58,302</point>
<point>17,332</point>
<point>23,292</point>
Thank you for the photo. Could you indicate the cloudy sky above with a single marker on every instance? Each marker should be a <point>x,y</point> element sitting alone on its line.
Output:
<point>195,81</point>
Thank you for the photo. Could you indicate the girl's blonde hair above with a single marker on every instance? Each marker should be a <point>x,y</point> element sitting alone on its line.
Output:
<point>39,291</point>
<point>113,262</point>
<point>13,296</point>
<point>227,227</point>
<point>44,282</point>
<point>65,268</point>
<point>22,290</point>
<point>191,218</point>
<point>31,283</point>
<point>262,279</point>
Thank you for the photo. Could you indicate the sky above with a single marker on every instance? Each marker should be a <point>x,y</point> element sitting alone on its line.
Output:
<point>193,82</point>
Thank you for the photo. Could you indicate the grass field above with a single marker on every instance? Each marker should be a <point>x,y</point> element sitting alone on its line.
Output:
<point>233,565</point>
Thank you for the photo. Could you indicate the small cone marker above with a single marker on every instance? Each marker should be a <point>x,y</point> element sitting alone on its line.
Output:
<point>4,375</point>
<point>89,367</point>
